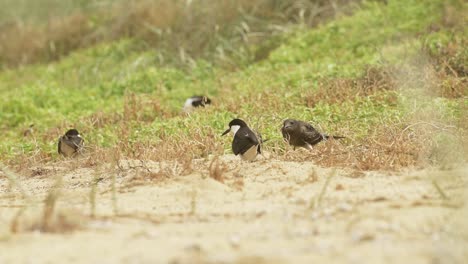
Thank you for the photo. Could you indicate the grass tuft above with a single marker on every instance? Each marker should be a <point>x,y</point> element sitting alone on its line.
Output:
<point>217,168</point>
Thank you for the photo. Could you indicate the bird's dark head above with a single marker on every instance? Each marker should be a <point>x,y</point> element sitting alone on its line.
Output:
<point>206,100</point>
<point>290,124</point>
<point>237,122</point>
<point>234,125</point>
<point>72,133</point>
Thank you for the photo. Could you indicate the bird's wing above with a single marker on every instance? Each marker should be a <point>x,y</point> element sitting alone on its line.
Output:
<point>243,140</point>
<point>196,102</point>
<point>252,136</point>
<point>311,135</point>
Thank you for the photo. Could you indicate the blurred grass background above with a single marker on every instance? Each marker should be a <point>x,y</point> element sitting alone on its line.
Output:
<point>45,30</point>
<point>389,75</point>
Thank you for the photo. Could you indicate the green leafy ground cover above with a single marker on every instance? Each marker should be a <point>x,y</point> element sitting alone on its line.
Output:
<point>117,95</point>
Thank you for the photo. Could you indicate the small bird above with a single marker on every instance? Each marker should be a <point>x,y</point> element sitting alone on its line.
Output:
<point>196,101</point>
<point>70,143</point>
<point>28,132</point>
<point>245,141</point>
<point>301,134</point>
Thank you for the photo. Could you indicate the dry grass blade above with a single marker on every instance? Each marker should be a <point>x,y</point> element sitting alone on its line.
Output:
<point>114,193</point>
<point>315,203</point>
<point>50,204</point>
<point>439,190</point>
<point>217,169</point>
<point>116,172</point>
<point>13,179</point>
<point>92,194</point>
<point>15,222</point>
<point>193,201</point>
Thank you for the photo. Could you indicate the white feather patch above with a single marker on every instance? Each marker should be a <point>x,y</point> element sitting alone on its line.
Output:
<point>188,105</point>
<point>234,129</point>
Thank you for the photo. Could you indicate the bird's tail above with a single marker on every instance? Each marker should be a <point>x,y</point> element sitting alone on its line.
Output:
<point>325,136</point>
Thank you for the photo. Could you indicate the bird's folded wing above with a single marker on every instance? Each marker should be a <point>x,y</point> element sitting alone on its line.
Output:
<point>311,135</point>
<point>76,143</point>
<point>243,140</point>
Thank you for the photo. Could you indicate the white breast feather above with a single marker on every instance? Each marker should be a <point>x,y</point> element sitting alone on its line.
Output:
<point>234,129</point>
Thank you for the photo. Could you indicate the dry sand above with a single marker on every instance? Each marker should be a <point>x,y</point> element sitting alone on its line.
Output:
<point>267,211</point>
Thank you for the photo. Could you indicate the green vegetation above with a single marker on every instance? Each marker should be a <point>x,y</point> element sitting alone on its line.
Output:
<point>357,75</point>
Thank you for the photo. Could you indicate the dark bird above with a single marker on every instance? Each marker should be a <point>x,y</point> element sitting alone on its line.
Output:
<point>245,141</point>
<point>301,134</point>
<point>70,143</point>
<point>196,101</point>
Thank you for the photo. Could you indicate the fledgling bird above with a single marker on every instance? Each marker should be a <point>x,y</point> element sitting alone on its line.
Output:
<point>301,134</point>
<point>245,142</point>
<point>196,101</point>
<point>70,143</point>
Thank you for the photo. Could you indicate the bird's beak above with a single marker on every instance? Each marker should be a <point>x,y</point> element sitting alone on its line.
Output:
<point>286,126</point>
<point>227,131</point>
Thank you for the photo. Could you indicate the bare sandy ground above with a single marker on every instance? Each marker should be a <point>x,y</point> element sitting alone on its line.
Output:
<point>268,211</point>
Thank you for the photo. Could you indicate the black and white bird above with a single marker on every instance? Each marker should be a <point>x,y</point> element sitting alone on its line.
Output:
<point>70,143</point>
<point>194,102</point>
<point>301,134</point>
<point>245,142</point>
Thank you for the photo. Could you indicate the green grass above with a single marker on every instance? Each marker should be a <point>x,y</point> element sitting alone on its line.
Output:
<point>90,89</point>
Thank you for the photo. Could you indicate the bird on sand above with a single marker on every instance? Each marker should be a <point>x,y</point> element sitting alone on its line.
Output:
<point>245,142</point>
<point>302,134</point>
<point>70,143</point>
<point>196,101</point>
